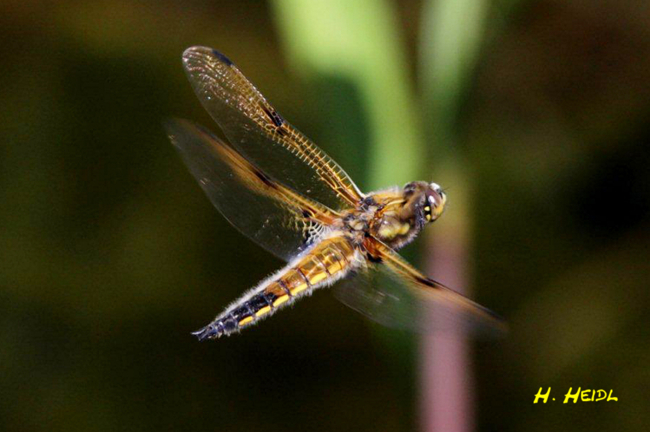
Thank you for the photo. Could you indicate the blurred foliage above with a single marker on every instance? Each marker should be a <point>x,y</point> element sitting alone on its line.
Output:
<point>371,111</point>
<point>111,255</point>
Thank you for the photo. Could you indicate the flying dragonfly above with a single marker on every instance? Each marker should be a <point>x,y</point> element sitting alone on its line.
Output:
<point>281,190</point>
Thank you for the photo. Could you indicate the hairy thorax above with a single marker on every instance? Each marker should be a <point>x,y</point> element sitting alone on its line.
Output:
<point>384,216</point>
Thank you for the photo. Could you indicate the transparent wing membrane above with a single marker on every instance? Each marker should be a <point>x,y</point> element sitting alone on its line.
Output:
<point>395,294</point>
<point>279,219</point>
<point>258,131</point>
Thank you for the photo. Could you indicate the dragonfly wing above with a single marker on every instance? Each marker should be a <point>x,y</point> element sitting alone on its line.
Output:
<point>258,131</point>
<point>392,292</point>
<point>279,219</point>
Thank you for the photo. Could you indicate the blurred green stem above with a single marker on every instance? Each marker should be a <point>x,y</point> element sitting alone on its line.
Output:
<point>358,41</point>
<point>452,31</point>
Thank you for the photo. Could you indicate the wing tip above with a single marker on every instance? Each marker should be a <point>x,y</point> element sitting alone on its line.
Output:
<point>222,57</point>
<point>170,122</point>
<point>173,126</point>
<point>199,51</point>
<point>499,328</point>
<point>487,322</point>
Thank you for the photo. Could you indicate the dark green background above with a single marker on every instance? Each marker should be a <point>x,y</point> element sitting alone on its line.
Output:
<point>110,254</point>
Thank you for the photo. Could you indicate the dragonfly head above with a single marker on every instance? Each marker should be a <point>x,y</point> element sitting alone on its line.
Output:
<point>424,201</point>
<point>434,203</point>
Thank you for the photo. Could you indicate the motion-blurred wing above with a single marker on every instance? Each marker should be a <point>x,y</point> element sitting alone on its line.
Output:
<point>279,219</point>
<point>256,129</point>
<point>394,293</point>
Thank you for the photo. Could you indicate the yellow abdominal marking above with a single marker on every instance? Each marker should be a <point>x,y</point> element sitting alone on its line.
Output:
<point>280,300</point>
<point>317,277</point>
<point>334,267</point>
<point>246,320</point>
<point>298,289</point>
<point>262,311</point>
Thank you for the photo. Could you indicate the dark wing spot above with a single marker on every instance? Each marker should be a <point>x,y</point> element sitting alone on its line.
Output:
<point>273,116</point>
<point>264,178</point>
<point>374,259</point>
<point>426,281</point>
<point>222,57</point>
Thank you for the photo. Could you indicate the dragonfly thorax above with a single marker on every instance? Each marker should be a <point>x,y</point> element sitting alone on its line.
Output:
<point>398,215</point>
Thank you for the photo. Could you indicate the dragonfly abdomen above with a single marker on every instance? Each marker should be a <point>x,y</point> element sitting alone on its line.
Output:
<point>325,263</point>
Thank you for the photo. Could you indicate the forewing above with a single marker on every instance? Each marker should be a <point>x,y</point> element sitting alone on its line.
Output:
<point>392,292</point>
<point>258,131</point>
<point>279,219</point>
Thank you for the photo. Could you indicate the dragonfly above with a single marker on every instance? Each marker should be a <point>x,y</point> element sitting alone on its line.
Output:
<point>286,194</point>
